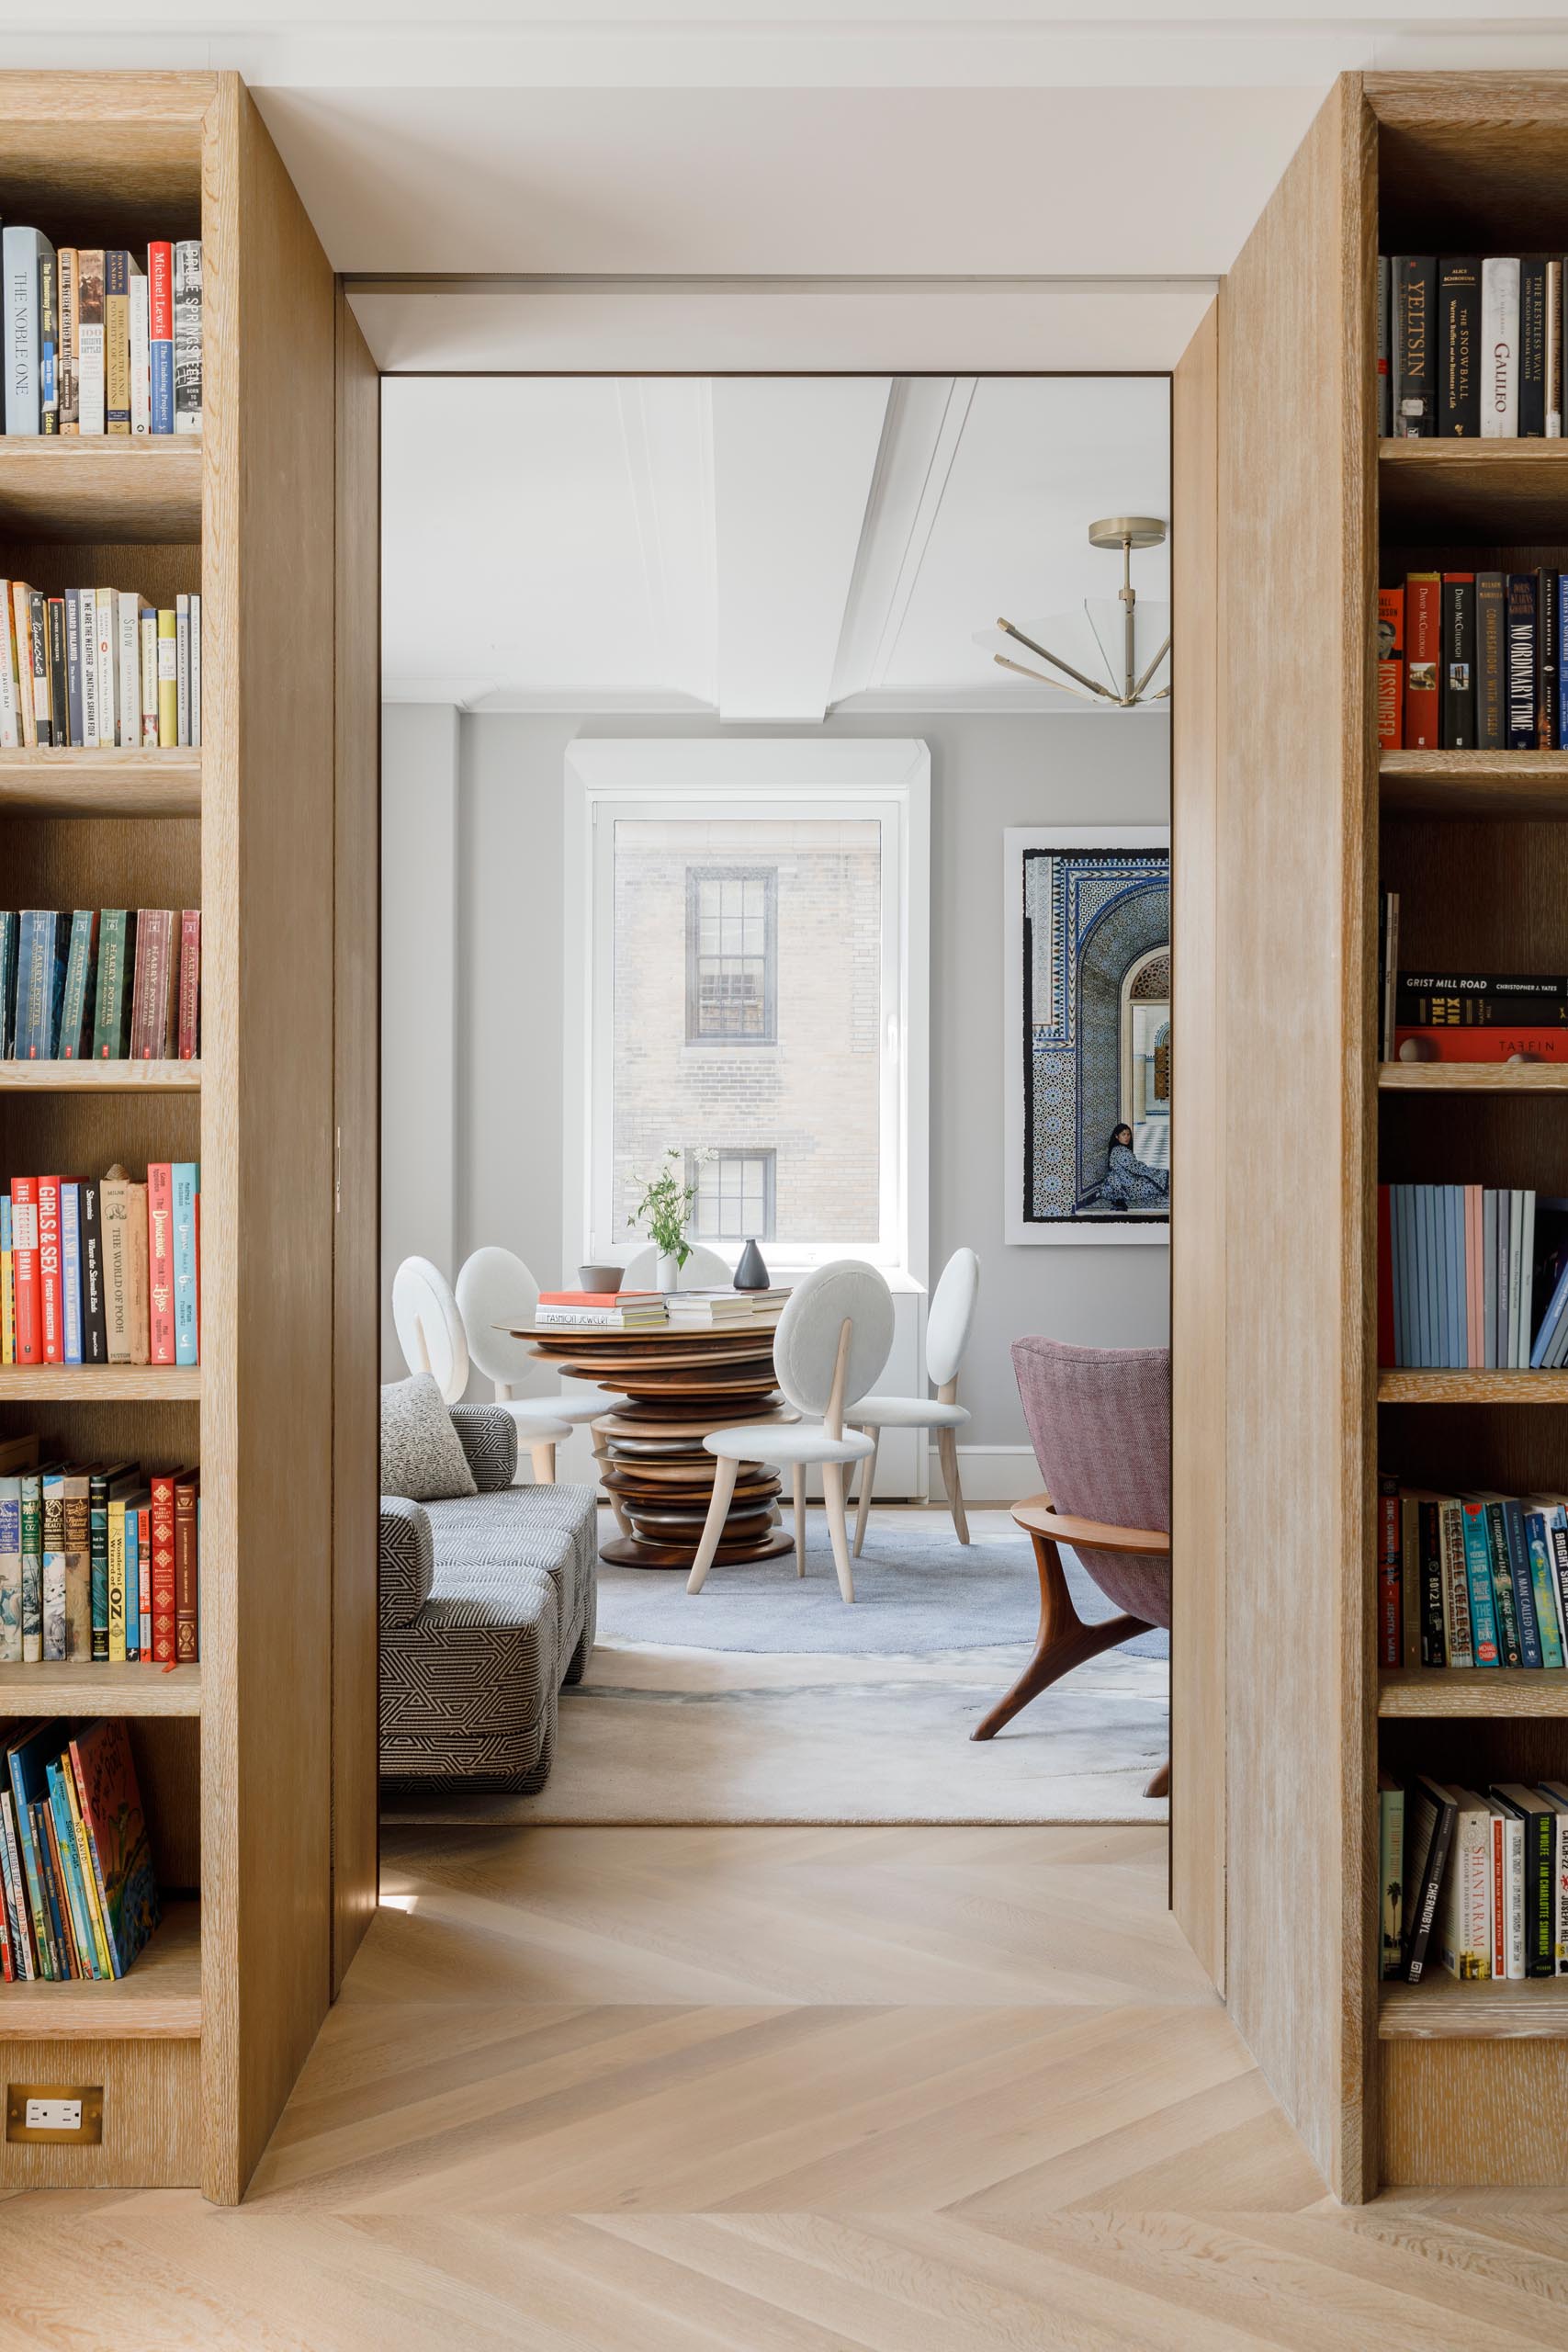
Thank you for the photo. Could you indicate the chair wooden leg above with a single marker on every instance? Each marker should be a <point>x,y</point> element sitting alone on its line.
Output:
<point>724,1478</point>
<point>1160,1785</point>
<point>543,1456</point>
<point>799,1490</point>
<point>833,1482</point>
<point>1063,1642</point>
<point>947,1455</point>
<point>867,1480</point>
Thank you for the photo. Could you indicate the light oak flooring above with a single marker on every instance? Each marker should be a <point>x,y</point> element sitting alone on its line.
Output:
<point>777,2090</point>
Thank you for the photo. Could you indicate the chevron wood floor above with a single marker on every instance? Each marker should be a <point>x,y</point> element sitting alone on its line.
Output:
<point>777,2090</point>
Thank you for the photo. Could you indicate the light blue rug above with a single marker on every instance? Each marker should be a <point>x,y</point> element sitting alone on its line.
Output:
<point>918,1593</point>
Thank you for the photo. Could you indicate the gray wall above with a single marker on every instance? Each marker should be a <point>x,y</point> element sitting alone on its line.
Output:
<point>987,773</point>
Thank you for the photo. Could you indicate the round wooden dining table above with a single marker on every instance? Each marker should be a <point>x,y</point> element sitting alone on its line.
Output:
<point>680,1384</point>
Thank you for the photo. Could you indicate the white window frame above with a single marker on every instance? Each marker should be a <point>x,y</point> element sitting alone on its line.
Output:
<point>887,780</point>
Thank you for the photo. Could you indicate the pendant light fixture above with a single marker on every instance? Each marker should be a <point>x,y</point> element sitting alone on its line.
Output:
<point>1115,650</point>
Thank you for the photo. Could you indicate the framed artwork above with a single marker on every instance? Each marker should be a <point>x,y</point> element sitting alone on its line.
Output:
<point>1086,1105</point>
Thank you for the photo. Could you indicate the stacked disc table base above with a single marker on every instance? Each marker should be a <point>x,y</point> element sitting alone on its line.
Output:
<point>680,1386</point>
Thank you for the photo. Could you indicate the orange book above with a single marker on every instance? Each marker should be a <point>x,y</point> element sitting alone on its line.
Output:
<point>1478,1045</point>
<point>1423,668</point>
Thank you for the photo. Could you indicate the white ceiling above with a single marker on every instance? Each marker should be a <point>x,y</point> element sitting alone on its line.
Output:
<point>764,548</point>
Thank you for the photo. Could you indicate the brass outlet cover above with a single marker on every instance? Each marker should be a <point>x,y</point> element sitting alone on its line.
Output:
<point>89,2134</point>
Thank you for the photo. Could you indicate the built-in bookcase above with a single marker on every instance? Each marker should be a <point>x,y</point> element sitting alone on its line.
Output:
<point>257,1766</point>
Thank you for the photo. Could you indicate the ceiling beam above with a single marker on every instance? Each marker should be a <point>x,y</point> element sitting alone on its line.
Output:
<point>794,463</point>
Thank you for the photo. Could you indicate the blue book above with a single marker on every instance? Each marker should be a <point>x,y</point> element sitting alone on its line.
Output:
<point>1401,1287</point>
<point>1412,1342</point>
<point>1478,1575</point>
<point>1453,1203</point>
<point>7,982</point>
<point>73,1889</point>
<point>184,1184</point>
<point>71,1269</point>
<point>161,381</point>
<point>1425,1275</point>
<point>1551,1322</point>
<point>28,1758</point>
<point>1543,1583</point>
<point>40,981</point>
<point>1418,1271</point>
<point>1522,1581</point>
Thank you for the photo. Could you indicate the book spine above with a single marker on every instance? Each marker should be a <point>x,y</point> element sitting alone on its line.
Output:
<point>1521,680</point>
<point>128,614</point>
<point>98,1539</point>
<point>168,682</point>
<point>184,1572</point>
<point>24,1268</point>
<point>149,629</point>
<point>1459,308</point>
<point>90,340</point>
<point>55,1642</point>
<point>7,1285</point>
<point>49,1300</point>
<point>10,1571</point>
<point>188,337</point>
<point>132,1588</point>
<point>76,1522</point>
<point>144,1580</point>
<point>48,346</point>
<point>1458,661</point>
<point>107,622</point>
<point>190,984</point>
<point>1390,1629</point>
<point>1509,1649</point>
<point>78,1934</point>
<point>71,1269</point>
<point>163,1614</point>
<point>68,295</point>
<point>1424,640</point>
<point>22,1947</point>
<point>95,1341</point>
<point>1543,1590</point>
<point>1391,668</point>
<point>160,1262</point>
<point>92,731</point>
<point>1532,350</point>
<point>10,708</point>
<point>1385,336</point>
<point>60,719</point>
<point>1416,307</point>
<point>183,1192</point>
<point>196,670</point>
<point>20,258</point>
<point>1478,1569</point>
<point>1546,659</point>
<point>1500,337</point>
<point>38,639</point>
<point>181,669</point>
<point>1523,1584</point>
<point>110,1035</point>
<point>92,1892</point>
<point>161,335</point>
<point>22,660</point>
<point>1554,350</point>
<point>140,389</point>
<point>1434,1645</point>
<point>116,341</point>
<point>32,1566</point>
<point>116,1537</point>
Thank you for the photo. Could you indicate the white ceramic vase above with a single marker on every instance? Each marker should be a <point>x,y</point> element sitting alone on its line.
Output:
<point>669,1273</point>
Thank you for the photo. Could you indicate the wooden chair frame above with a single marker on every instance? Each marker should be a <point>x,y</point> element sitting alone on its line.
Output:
<point>1065,1640</point>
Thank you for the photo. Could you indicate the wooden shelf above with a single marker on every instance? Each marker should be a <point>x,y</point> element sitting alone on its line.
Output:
<point>83,1688</point>
<point>1495,492</point>
<point>100,1078</point>
<point>134,1383</point>
<point>1473,1078</point>
<point>102,783</point>
<point>1521,785</point>
<point>101,490</point>
<point>158,1999</point>
<point>1473,1388</point>
<point>1440,2008</point>
<point>1473,1690</point>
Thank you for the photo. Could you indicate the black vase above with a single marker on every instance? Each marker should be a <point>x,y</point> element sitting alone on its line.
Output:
<point>750,1273</point>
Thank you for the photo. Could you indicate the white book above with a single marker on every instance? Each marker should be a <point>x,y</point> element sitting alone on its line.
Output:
<point>88,633</point>
<point>106,623</point>
<point>10,718</point>
<point>128,609</point>
<point>187,336</point>
<point>1556,1794</point>
<point>140,364</point>
<point>195,673</point>
<point>22,655</point>
<point>1466,1922</point>
<point>21,251</point>
<point>1511,1870</point>
<point>182,668</point>
<point>148,630</point>
<point>1500,349</point>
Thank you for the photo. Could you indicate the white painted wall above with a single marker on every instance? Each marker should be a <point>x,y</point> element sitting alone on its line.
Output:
<point>987,773</point>
<point>419,1011</point>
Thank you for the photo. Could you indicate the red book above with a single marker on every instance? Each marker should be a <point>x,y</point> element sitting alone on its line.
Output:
<point>51,1300</point>
<point>1480,1045</point>
<point>184,1567</point>
<point>164,1605</point>
<point>1423,663</point>
<point>1391,1598</point>
<point>161,1263</point>
<point>190,984</point>
<point>1385,1277</point>
<point>1390,669</point>
<point>161,291</point>
<point>24,1268</point>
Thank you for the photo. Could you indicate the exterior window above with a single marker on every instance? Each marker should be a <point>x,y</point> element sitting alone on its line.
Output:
<point>735,1196</point>
<point>731,956</point>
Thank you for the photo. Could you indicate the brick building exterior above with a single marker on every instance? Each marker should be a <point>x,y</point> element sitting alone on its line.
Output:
<point>747,1021</point>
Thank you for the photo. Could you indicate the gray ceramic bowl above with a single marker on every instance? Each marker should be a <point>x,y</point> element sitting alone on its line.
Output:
<point>608,1278</point>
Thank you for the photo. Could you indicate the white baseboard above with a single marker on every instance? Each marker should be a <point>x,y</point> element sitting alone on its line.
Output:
<point>989,1474</point>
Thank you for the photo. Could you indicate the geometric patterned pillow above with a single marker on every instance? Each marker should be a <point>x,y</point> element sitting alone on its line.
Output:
<point>422,1456</point>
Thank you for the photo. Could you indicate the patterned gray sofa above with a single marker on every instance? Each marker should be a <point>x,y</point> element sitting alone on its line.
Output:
<point>488,1605</point>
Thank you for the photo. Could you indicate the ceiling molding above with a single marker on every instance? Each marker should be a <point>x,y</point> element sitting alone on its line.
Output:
<point>926,416</point>
<point>667,427</point>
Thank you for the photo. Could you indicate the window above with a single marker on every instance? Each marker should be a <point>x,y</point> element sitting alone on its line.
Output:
<point>731,955</point>
<point>735,1196</point>
<point>752,993</point>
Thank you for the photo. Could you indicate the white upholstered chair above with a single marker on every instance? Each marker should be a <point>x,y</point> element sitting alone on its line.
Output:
<point>833,1339</point>
<point>949,1321</point>
<point>496,1294</point>
<point>703,1270</point>
<point>432,1336</point>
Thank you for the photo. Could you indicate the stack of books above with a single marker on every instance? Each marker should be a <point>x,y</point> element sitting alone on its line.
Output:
<point>1469,346</point>
<point>600,1311</point>
<point>1471,1278</point>
<point>101,984</point>
<point>99,669</point>
<point>1475,1579</point>
<point>102,1271</point>
<point>101,339</point>
<point>1480,1017</point>
<point>1470,661</point>
<point>1475,1879</point>
<point>80,1895</point>
<point>100,1563</point>
<point>706,1306</point>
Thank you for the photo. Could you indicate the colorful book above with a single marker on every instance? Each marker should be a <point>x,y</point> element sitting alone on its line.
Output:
<point>117,956</point>
<point>117,1833</point>
<point>10,1570</point>
<point>187,336</point>
<point>50,1298</point>
<point>186,1602</point>
<point>161,1263</point>
<point>79,996</point>
<point>94,1326</point>
<point>185,1182</point>
<point>189,1041</point>
<point>71,1269</point>
<point>91,386</point>
<point>164,1604</point>
<point>161,336</point>
<point>124,1207</point>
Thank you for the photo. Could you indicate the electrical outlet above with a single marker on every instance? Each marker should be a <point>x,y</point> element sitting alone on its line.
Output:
<point>62,2114</point>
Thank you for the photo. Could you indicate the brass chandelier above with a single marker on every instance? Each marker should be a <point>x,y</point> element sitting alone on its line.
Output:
<point>1126,642</point>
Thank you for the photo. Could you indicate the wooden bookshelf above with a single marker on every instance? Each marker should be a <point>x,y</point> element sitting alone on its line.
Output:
<point>1471,1387</point>
<point>1441,2008</point>
<point>1473,1690</point>
<point>1531,787</point>
<point>102,783</point>
<point>1473,1078</point>
<point>258,1765</point>
<point>1487,490</point>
